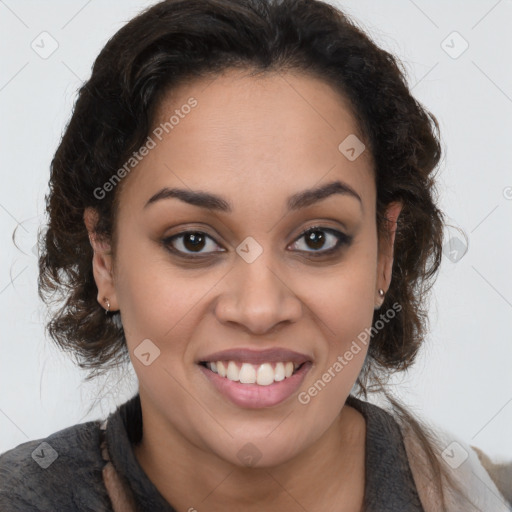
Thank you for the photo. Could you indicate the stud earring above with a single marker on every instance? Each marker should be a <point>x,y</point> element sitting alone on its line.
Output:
<point>381,295</point>
<point>108,305</point>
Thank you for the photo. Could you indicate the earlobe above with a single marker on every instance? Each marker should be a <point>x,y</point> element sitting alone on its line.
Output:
<point>101,263</point>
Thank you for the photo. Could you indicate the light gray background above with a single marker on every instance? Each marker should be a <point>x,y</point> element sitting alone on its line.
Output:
<point>463,379</point>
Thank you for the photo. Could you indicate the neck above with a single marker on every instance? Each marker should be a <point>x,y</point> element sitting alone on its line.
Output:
<point>329,475</point>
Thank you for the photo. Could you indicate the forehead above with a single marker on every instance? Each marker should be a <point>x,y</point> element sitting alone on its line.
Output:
<point>271,134</point>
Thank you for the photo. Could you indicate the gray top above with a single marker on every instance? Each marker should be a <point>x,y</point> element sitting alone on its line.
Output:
<point>63,471</point>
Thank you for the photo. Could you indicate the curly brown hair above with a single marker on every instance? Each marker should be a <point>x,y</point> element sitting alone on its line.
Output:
<point>178,40</point>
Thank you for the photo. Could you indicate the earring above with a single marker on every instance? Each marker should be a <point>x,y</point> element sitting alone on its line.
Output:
<point>108,305</point>
<point>381,294</point>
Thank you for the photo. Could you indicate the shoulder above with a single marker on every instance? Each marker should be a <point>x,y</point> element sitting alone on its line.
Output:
<point>483,484</point>
<point>60,472</point>
<point>480,489</point>
<point>499,471</point>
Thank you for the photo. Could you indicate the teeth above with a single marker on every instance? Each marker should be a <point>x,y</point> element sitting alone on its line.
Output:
<point>265,374</point>
<point>233,372</point>
<point>262,374</point>
<point>247,374</point>
<point>221,369</point>
<point>279,373</point>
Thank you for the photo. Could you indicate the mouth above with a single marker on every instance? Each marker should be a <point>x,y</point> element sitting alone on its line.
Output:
<point>263,374</point>
<point>255,379</point>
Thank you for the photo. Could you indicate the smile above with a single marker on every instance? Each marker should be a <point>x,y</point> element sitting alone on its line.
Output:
<point>247,373</point>
<point>254,379</point>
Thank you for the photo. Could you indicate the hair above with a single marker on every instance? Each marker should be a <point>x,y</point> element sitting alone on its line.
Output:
<point>176,41</point>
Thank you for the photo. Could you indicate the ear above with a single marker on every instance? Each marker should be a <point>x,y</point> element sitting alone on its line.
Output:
<point>386,249</point>
<point>101,263</point>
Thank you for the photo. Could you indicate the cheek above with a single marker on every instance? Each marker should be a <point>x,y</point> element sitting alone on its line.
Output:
<point>157,300</point>
<point>348,315</point>
<point>351,309</point>
<point>344,311</point>
<point>160,306</point>
<point>343,303</point>
<point>344,300</point>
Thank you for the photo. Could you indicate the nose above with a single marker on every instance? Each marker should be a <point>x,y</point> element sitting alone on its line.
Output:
<point>257,298</point>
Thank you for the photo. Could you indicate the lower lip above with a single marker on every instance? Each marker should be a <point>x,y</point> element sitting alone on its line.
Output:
<point>254,396</point>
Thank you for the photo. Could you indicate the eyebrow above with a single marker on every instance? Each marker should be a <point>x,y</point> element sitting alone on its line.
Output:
<point>297,201</point>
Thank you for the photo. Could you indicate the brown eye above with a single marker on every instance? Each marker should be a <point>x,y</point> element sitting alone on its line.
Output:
<point>190,242</point>
<point>315,239</point>
<point>321,240</point>
<point>194,241</point>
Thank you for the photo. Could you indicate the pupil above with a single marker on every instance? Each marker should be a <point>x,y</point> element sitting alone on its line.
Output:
<point>194,241</point>
<point>316,238</point>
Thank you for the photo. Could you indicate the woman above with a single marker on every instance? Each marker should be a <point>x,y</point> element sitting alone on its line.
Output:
<point>243,205</point>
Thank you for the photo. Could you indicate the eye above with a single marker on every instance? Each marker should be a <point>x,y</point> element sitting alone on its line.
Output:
<point>190,242</point>
<point>321,240</point>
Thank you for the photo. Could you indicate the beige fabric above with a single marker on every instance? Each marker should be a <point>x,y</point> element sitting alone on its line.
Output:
<point>479,491</point>
<point>120,494</point>
<point>500,472</point>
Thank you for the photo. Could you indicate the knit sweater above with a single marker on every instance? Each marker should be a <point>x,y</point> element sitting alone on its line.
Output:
<point>69,471</point>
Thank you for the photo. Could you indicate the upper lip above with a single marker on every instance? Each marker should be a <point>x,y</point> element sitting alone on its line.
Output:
<point>271,355</point>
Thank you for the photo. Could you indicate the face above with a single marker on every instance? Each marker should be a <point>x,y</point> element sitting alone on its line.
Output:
<point>267,274</point>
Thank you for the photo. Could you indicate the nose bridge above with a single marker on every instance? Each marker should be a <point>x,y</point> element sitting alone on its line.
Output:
<point>257,280</point>
<point>257,295</point>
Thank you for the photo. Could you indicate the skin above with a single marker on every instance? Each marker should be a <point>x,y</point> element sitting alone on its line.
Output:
<point>255,141</point>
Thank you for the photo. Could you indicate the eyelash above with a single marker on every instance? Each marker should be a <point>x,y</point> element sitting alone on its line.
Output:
<point>342,240</point>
